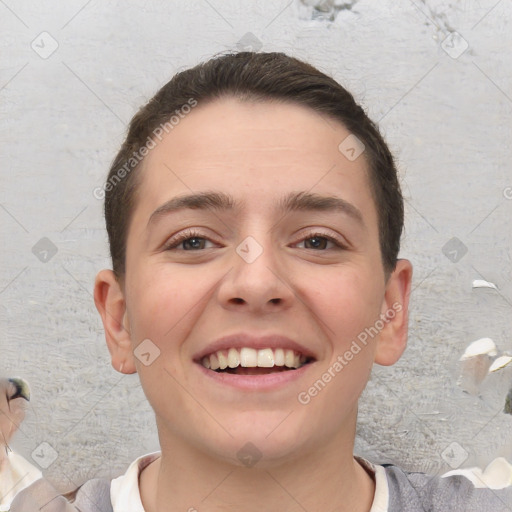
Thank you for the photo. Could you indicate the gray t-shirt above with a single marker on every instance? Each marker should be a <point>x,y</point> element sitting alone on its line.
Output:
<point>407,492</point>
<point>418,492</point>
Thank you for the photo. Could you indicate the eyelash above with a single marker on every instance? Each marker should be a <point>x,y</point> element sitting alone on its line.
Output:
<point>187,235</point>
<point>329,238</point>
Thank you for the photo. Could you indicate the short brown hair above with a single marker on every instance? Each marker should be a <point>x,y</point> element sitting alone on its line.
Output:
<point>254,77</point>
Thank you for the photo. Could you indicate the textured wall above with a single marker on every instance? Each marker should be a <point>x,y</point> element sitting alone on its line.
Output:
<point>71,76</point>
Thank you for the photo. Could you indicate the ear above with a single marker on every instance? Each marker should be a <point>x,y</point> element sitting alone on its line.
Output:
<point>111,305</point>
<point>392,338</point>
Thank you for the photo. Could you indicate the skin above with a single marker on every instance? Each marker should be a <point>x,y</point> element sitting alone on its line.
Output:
<point>314,292</point>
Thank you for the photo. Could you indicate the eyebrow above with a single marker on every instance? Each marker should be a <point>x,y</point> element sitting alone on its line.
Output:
<point>293,202</point>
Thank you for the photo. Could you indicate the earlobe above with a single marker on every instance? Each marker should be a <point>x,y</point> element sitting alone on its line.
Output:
<point>392,339</point>
<point>111,305</point>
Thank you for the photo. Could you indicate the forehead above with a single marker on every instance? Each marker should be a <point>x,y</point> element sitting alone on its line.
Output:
<point>255,150</point>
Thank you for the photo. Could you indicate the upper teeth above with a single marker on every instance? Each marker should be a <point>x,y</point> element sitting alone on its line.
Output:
<point>251,358</point>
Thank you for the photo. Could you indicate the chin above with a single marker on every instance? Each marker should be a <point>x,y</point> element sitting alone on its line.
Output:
<point>263,440</point>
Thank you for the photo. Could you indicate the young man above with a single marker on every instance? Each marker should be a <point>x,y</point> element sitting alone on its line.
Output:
<point>254,217</point>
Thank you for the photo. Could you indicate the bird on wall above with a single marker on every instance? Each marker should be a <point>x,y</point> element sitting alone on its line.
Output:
<point>15,472</point>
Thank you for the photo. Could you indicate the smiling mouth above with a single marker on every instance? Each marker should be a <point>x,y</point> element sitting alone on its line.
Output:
<point>250,361</point>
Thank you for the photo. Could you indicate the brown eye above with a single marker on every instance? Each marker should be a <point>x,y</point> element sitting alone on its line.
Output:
<point>321,241</point>
<point>316,242</point>
<point>193,243</point>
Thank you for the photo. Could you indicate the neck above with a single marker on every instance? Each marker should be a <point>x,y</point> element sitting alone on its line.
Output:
<point>326,478</point>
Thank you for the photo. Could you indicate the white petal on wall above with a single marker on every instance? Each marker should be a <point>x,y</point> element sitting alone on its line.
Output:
<point>475,364</point>
<point>480,347</point>
<point>497,475</point>
<point>499,363</point>
<point>480,283</point>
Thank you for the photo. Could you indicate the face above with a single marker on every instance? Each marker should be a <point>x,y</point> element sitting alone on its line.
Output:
<point>278,249</point>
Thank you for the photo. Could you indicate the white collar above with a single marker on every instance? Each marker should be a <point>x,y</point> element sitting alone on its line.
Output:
<point>125,491</point>
<point>381,498</point>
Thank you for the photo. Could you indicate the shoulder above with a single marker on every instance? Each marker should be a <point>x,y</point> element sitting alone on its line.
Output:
<point>96,495</point>
<point>92,496</point>
<point>418,491</point>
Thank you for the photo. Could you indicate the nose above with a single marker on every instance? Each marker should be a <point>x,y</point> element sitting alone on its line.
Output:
<point>258,280</point>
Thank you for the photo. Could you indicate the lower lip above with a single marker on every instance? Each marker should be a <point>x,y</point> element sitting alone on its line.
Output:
<point>265,382</point>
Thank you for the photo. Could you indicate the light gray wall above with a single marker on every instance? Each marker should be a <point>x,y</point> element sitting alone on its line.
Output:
<point>63,117</point>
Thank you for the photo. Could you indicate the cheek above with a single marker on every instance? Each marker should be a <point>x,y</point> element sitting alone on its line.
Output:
<point>347,303</point>
<point>165,305</point>
<point>354,305</point>
<point>347,300</point>
<point>157,300</point>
